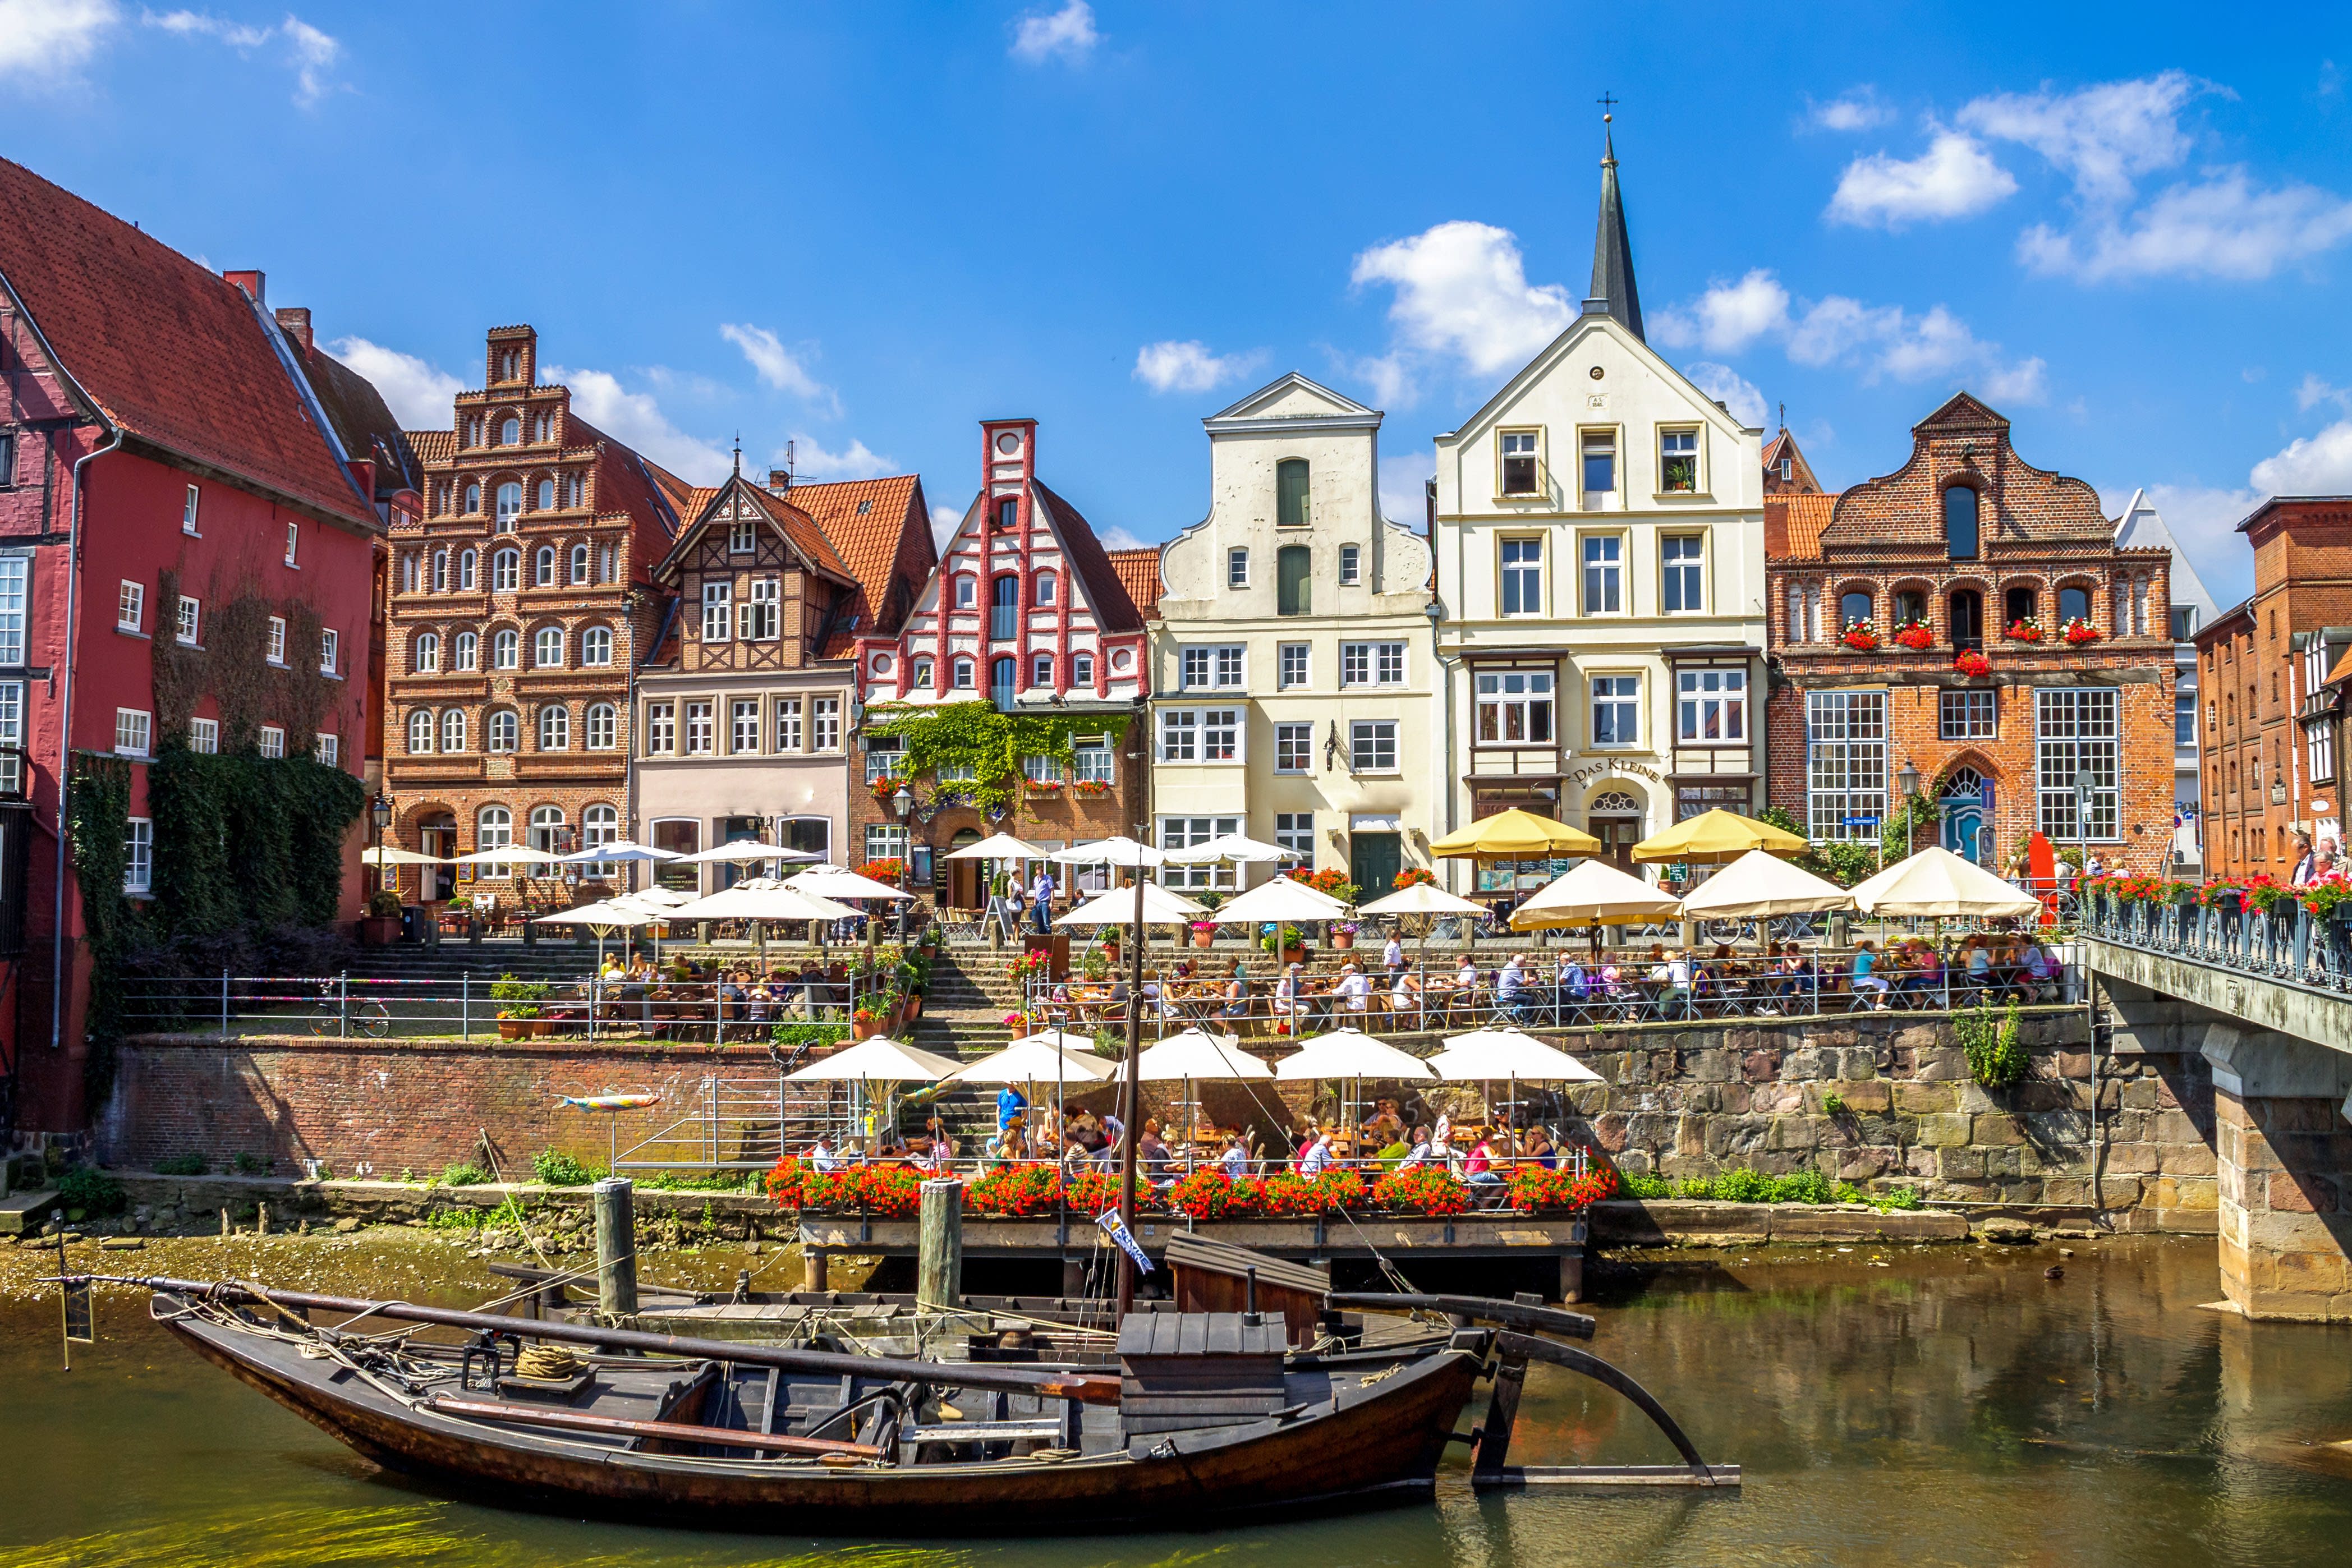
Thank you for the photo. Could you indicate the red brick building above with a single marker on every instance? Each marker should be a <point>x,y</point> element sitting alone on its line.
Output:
<point>1968,551</point>
<point>1025,610</point>
<point>516,607</point>
<point>2263,672</point>
<point>167,473</point>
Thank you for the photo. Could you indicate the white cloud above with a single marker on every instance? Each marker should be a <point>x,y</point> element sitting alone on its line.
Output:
<point>776,365</point>
<point>1188,366</point>
<point>2103,137</point>
<point>1461,293</point>
<point>810,460</point>
<point>943,523</point>
<point>2315,392</point>
<point>1118,537</point>
<point>1856,109</point>
<point>418,395</point>
<point>48,41</point>
<point>1729,387</point>
<point>1388,375</point>
<point>1955,178</point>
<point>635,419</point>
<point>312,53</point>
<point>1068,33</point>
<point>1728,316</point>
<point>2317,465</point>
<point>2204,520</point>
<point>2223,227</point>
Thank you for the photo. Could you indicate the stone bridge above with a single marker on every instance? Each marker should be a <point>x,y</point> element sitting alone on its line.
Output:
<point>2266,1001</point>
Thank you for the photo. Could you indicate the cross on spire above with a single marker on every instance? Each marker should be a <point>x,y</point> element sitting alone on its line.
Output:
<point>1607,103</point>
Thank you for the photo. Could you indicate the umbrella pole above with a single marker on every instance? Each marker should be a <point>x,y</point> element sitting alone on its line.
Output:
<point>1131,1095</point>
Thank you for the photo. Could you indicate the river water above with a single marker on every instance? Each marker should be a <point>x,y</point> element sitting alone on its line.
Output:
<point>1889,1404</point>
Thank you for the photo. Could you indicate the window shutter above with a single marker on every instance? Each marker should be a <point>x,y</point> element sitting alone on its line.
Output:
<point>1291,581</point>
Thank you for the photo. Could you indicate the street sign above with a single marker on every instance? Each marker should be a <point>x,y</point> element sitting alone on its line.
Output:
<point>1861,822</point>
<point>1984,794</point>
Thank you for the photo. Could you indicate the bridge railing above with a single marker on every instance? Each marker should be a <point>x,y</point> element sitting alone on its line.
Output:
<point>2286,943</point>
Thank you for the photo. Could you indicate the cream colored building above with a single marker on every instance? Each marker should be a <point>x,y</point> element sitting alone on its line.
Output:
<point>1293,682</point>
<point>1600,543</point>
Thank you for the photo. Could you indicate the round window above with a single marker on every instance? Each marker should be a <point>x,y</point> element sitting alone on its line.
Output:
<point>1120,660</point>
<point>881,663</point>
<point>1008,442</point>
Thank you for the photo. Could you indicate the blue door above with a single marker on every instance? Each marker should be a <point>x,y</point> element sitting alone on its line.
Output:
<point>1963,826</point>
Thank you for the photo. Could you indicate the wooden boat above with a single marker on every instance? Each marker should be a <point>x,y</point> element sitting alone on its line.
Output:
<point>1207,1417</point>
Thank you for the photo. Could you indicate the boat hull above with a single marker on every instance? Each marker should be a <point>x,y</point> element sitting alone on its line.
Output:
<point>1370,1447</point>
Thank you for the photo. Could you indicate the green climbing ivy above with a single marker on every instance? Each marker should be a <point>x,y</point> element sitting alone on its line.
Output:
<point>98,821</point>
<point>975,737</point>
<point>247,841</point>
<point>1997,1056</point>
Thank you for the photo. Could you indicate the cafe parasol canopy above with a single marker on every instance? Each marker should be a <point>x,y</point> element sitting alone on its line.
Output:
<point>1283,899</point>
<point>1196,1054</point>
<point>1237,849</point>
<point>841,882</point>
<point>1116,907</point>
<point>1938,884</point>
<point>1757,886</point>
<point>603,917</point>
<point>507,854</point>
<point>1034,1059</point>
<point>1595,894</point>
<point>1421,898</point>
<point>1716,838</point>
<point>1349,1053</point>
<point>390,855</point>
<point>1515,835</point>
<point>1484,1055</point>
<point>997,847</point>
<point>746,852</point>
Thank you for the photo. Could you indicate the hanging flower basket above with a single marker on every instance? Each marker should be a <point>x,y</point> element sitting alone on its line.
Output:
<point>1915,634</point>
<point>2078,632</point>
<point>1973,663</point>
<point>1861,636</point>
<point>2024,629</point>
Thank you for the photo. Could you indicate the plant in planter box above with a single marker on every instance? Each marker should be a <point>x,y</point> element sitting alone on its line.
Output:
<point>383,905</point>
<point>1913,633</point>
<point>1208,1194</point>
<point>1327,1192</point>
<point>1973,661</point>
<point>2078,632</point>
<point>891,870</point>
<point>1860,635</point>
<point>1015,1191</point>
<point>517,998</point>
<point>1421,1190</point>
<point>2024,629</point>
<point>2330,898</point>
<point>1535,1190</point>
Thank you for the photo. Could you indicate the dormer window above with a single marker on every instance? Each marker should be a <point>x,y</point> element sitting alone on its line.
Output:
<point>743,538</point>
<point>1788,468</point>
<point>1960,522</point>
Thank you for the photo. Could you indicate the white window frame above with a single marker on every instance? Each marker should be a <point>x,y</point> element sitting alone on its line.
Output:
<point>1351,566</point>
<point>276,654</point>
<point>1520,444</point>
<point>1182,833</point>
<point>1237,561</point>
<point>1958,720</point>
<point>1295,831</point>
<point>661,729</point>
<point>1212,666</point>
<point>502,731</point>
<point>133,732</point>
<point>742,536</point>
<point>600,727</point>
<point>1294,748</point>
<point>188,508</point>
<point>1372,664</point>
<point>1092,761</point>
<point>825,724</point>
<point>718,612</point>
<point>1679,573</point>
<point>330,651</point>
<point>1527,694</point>
<point>1600,576</point>
<point>1619,701</point>
<point>595,647</point>
<point>204,736</point>
<point>2076,727</point>
<point>543,639</point>
<point>273,740</point>
<point>453,729</point>
<point>743,726</point>
<point>1696,453</point>
<point>1368,740</point>
<point>1295,666</point>
<point>1845,762</point>
<point>424,732</point>
<point>506,571</point>
<point>16,578</point>
<point>1515,571</point>
<point>139,848</point>
<point>327,747</point>
<point>12,731</point>
<point>761,617</point>
<point>505,649</point>
<point>188,620</point>
<point>130,607</point>
<point>788,725</point>
<point>700,737</point>
<point>1590,440</point>
<point>1725,700</point>
<point>554,727</point>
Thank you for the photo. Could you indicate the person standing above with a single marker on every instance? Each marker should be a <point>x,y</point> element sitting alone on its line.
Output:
<point>1041,899</point>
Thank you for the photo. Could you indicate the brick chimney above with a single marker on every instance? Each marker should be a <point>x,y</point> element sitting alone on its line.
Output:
<point>251,282</point>
<point>295,320</point>
<point>780,480</point>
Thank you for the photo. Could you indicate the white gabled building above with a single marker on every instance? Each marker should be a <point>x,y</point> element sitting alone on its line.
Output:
<point>1292,682</point>
<point>1599,544</point>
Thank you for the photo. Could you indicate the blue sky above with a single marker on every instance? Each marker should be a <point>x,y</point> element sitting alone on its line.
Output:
<point>864,228</point>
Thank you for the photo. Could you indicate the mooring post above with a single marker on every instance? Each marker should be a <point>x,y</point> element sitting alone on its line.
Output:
<point>813,1270</point>
<point>939,1267</point>
<point>616,1246</point>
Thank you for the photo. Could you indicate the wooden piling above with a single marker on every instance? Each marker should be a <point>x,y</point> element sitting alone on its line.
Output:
<point>616,1246</point>
<point>938,1256</point>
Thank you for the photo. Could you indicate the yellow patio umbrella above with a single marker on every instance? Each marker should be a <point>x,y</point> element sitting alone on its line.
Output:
<point>1515,835</point>
<point>1716,838</point>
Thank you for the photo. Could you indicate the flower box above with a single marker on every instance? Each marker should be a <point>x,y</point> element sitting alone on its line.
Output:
<point>2079,631</point>
<point>1915,636</point>
<point>2027,629</point>
<point>1973,663</point>
<point>1860,635</point>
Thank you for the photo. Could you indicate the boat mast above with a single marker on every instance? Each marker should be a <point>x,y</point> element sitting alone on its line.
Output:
<point>1130,1092</point>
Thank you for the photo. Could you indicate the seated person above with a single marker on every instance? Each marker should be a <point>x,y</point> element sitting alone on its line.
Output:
<point>1237,992</point>
<point>1420,1153</point>
<point>1317,1157</point>
<point>1354,991</point>
<point>1511,991</point>
<point>1152,1158</point>
<point>1386,1125</point>
<point>1235,1162</point>
<point>1480,1168</point>
<point>1864,981</point>
<point>1404,992</point>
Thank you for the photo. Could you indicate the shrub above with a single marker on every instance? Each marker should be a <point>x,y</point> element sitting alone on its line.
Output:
<point>1802,1187</point>
<point>1997,1058</point>
<point>555,1168</point>
<point>1421,1189</point>
<point>384,904</point>
<point>1900,1197</point>
<point>1701,1188</point>
<point>465,1173</point>
<point>181,1165</point>
<point>517,998</point>
<point>1743,1185</point>
<point>808,1034</point>
<point>249,1165</point>
<point>92,1192</point>
<point>1644,1185</point>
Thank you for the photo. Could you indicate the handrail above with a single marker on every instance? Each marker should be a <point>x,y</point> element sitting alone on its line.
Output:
<point>2286,945</point>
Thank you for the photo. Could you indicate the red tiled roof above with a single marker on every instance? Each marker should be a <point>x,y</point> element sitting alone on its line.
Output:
<point>433,447</point>
<point>1793,525</point>
<point>627,482</point>
<point>1138,573</point>
<point>175,356</point>
<point>883,536</point>
<point>1114,610</point>
<point>2343,670</point>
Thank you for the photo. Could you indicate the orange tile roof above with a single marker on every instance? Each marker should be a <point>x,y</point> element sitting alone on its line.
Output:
<point>1138,573</point>
<point>883,536</point>
<point>629,482</point>
<point>1793,525</point>
<point>174,355</point>
<point>1114,611</point>
<point>2343,670</point>
<point>433,447</point>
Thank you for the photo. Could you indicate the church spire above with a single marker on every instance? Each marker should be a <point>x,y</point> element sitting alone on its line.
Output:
<point>1613,293</point>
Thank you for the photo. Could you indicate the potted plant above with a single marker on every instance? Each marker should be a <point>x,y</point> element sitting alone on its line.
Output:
<point>519,1010</point>
<point>380,927</point>
<point>1096,964</point>
<point>1860,635</point>
<point>1913,633</point>
<point>1204,932</point>
<point>2078,632</point>
<point>1289,945</point>
<point>2024,629</point>
<point>1973,661</point>
<point>866,1023</point>
<point>1343,935</point>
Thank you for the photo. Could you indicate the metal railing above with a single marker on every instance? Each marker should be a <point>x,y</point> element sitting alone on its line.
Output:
<point>744,1124</point>
<point>2288,944</point>
<point>346,1006</point>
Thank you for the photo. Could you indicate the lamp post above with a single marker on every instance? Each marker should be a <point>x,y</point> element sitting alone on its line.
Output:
<point>1907,780</point>
<point>380,818</point>
<point>902,803</point>
<point>2084,782</point>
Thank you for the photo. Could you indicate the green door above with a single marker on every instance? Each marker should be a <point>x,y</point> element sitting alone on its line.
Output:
<point>1293,596</point>
<point>1373,862</point>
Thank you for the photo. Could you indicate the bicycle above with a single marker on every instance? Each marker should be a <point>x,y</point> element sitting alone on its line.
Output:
<point>339,1014</point>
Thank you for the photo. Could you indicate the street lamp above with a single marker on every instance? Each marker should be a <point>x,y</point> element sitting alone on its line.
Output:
<point>380,816</point>
<point>2084,782</point>
<point>902,803</point>
<point>1907,780</point>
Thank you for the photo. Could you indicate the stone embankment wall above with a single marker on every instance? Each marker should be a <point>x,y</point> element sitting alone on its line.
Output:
<point>1699,1101</point>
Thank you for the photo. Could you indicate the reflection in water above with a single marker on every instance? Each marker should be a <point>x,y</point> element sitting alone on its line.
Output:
<point>1952,1407</point>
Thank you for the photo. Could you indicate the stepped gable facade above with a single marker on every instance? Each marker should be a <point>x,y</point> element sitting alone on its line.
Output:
<point>516,607</point>
<point>1970,553</point>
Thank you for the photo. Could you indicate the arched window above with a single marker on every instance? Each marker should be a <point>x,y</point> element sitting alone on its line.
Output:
<point>1853,606</point>
<point>1004,607</point>
<point>506,650</point>
<point>596,645</point>
<point>574,487</point>
<point>555,727</point>
<point>922,672</point>
<point>603,727</point>
<point>1041,670</point>
<point>2074,604</point>
<point>453,729</point>
<point>1963,784</point>
<point>510,506</point>
<point>546,496</point>
<point>604,564</point>
<point>1000,680</point>
<point>467,580</point>
<point>1293,581</point>
<point>420,732</point>
<point>1968,619</point>
<point>510,432</point>
<point>440,572</point>
<point>581,562</point>
<point>466,652</point>
<point>599,825</point>
<point>543,568</point>
<point>502,730</point>
<point>963,674</point>
<point>426,653</point>
<point>1910,604</point>
<point>408,573</point>
<point>506,571</point>
<point>547,829</point>
<point>1960,522</point>
<point>1082,669</point>
<point>473,499</point>
<point>1290,508</point>
<point>547,648</point>
<point>1045,581</point>
<point>2019,604</point>
<point>493,828</point>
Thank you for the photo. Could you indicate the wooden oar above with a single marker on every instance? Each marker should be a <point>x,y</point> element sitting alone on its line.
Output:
<point>672,1431</point>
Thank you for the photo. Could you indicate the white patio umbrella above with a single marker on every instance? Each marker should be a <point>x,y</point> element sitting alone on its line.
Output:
<point>1034,1061</point>
<point>997,847</point>
<point>744,852</point>
<point>603,917</point>
<point>1484,1055</point>
<point>507,854</point>
<point>1421,898</point>
<point>618,850</point>
<point>882,1061</point>
<point>389,855</point>
<point>1119,850</point>
<point>1236,848</point>
<point>762,898</point>
<point>1284,898</point>
<point>1349,1053</point>
<point>655,897</point>
<point>841,882</point>
<point>1939,885</point>
<point>1759,885</point>
<point>1194,1056</point>
<point>1116,907</point>
<point>1595,894</point>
